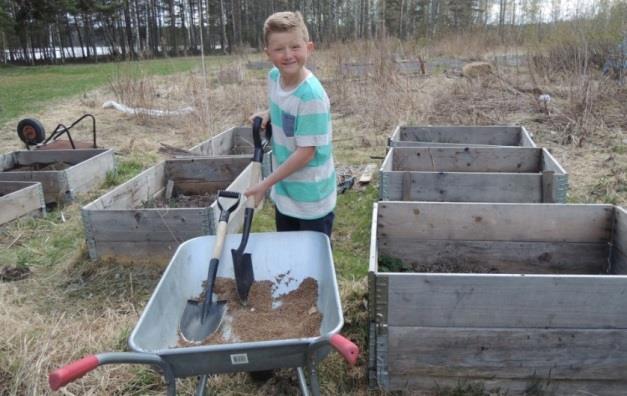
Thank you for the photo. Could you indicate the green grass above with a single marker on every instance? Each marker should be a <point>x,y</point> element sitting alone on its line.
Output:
<point>26,89</point>
<point>351,230</point>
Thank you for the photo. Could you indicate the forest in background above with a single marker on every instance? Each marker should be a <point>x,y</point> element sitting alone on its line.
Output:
<point>60,31</point>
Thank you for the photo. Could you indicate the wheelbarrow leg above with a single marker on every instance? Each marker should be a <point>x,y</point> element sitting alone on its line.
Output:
<point>314,385</point>
<point>201,386</point>
<point>302,381</point>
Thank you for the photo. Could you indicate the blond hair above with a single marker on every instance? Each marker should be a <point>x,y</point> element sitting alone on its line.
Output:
<point>285,21</point>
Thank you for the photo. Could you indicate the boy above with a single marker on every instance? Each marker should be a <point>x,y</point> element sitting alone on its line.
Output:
<point>303,181</point>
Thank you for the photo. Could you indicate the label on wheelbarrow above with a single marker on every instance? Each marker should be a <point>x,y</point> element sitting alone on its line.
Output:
<point>239,358</point>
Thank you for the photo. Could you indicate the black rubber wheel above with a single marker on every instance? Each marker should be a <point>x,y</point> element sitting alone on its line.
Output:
<point>261,376</point>
<point>31,131</point>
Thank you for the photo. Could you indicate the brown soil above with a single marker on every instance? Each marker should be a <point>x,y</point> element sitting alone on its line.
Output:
<point>8,274</point>
<point>293,315</point>
<point>182,201</point>
<point>55,166</point>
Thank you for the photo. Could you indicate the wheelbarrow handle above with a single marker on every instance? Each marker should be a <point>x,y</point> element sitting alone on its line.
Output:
<point>345,347</point>
<point>64,375</point>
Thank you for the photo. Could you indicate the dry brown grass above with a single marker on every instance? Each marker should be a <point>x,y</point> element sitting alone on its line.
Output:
<point>70,307</point>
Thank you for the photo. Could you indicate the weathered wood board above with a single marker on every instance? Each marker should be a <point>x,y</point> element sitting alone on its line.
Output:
<point>19,199</point>
<point>472,174</point>
<point>119,226</point>
<point>86,169</point>
<point>549,312</point>
<point>233,141</point>
<point>467,136</point>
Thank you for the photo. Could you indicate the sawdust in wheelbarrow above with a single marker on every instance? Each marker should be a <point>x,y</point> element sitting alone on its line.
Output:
<point>55,166</point>
<point>293,315</point>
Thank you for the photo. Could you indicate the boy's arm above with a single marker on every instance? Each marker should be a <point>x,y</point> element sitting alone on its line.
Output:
<point>297,160</point>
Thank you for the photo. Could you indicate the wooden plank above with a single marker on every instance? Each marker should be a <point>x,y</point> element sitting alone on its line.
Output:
<point>217,145</point>
<point>619,237</point>
<point>484,135</point>
<point>558,354</point>
<point>163,224</point>
<point>467,159</point>
<point>50,156</point>
<point>54,183</point>
<point>501,257</point>
<point>507,301</point>
<point>7,161</point>
<point>169,189</point>
<point>132,193</point>
<point>420,385</point>
<point>549,163</point>
<point>367,174</point>
<point>139,252</point>
<point>90,173</point>
<point>199,187</point>
<point>548,187</point>
<point>619,263</point>
<point>495,221</point>
<point>461,187</point>
<point>209,169</point>
<point>525,138</point>
<point>19,199</point>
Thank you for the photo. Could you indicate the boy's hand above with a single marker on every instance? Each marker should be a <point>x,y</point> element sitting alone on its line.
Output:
<point>258,191</point>
<point>265,117</point>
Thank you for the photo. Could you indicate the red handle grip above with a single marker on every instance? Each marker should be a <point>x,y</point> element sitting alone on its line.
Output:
<point>346,348</point>
<point>64,375</point>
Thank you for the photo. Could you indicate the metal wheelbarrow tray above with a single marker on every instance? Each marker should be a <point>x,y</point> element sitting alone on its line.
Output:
<point>154,338</point>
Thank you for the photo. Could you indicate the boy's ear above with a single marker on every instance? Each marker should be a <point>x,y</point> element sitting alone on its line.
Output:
<point>310,46</point>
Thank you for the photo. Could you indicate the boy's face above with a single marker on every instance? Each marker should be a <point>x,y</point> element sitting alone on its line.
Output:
<point>288,51</point>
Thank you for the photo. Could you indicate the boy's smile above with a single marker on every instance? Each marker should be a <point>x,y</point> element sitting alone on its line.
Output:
<point>288,51</point>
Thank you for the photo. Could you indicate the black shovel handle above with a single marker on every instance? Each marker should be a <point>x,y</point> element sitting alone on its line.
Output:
<point>225,213</point>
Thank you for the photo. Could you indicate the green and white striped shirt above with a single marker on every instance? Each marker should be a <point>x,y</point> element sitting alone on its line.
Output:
<point>301,118</point>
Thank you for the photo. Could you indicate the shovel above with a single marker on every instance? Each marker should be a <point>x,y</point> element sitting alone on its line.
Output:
<point>200,320</point>
<point>242,262</point>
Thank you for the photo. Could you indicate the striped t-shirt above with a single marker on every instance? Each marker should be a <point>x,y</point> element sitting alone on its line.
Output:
<point>301,117</point>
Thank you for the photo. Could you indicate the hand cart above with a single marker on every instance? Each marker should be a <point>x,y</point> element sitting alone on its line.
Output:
<point>300,254</point>
<point>32,133</point>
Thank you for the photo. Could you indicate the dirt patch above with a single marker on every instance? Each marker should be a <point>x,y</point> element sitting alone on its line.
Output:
<point>293,315</point>
<point>9,274</point>
<point>55,166</point>
<point>182,201</point>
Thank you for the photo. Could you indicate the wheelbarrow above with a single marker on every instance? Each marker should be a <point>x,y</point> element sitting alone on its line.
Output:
<point>32,133</point>
<point>154,339</point>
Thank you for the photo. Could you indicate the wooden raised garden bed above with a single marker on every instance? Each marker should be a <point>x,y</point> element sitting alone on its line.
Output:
<point>19,199</point>
<point>233,141</point>
<point>63,174</point>
<point>513,296</point>
<point>146,218</point>
<point>472,174</point>
<point>411,136</point>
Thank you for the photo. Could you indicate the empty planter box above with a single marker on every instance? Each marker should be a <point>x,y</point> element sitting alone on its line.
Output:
<point>146,218</point>
<point>514,296</point>
<point>472,174</point>
<point>411,136</point>
<point>19,199</point>
<point>233,141</point>
<point>62,173</point>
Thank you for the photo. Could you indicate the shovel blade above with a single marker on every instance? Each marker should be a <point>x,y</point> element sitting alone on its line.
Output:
<point>194,326</point>
<point>244,276</point>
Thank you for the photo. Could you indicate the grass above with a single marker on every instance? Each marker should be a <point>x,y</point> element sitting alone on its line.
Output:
<point>25,89</point>
<point>84,307</point>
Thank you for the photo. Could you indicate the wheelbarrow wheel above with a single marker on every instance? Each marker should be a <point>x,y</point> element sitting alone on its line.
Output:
<point>261,376</point>
<point>31,131</point>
